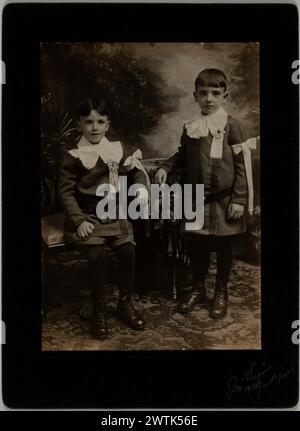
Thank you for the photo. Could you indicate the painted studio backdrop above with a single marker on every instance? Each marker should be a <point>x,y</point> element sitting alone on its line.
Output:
<point>149,90</point>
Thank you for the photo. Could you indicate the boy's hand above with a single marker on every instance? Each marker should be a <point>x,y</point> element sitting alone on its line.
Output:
<point>161,176</point>
<point>235,211</point>
<point>85,229</point>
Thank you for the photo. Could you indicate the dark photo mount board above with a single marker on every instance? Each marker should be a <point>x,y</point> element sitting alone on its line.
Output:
<point>141,379</point>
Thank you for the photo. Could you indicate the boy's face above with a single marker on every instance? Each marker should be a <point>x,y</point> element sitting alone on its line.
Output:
<point>210,99</point>
<point>94,126</point>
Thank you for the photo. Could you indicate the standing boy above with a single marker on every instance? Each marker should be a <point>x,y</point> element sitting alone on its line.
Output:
<point>211,149</point>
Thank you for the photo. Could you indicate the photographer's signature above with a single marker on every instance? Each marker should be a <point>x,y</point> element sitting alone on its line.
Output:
<point>256,378</point>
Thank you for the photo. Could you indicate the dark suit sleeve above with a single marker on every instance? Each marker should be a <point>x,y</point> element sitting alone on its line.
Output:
<point>138,177</point>
<point>238,134</point>
<point>178,160</point>
<point>68,178</point>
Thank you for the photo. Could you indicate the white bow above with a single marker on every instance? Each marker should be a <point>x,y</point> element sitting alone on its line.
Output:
<point>134,161</point>
<point>246,148</point>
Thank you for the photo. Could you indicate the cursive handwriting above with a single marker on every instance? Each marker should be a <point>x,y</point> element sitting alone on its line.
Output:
<point>255,379</point>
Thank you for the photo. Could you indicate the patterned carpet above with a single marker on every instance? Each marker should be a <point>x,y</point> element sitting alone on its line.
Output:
<point>69,311</point>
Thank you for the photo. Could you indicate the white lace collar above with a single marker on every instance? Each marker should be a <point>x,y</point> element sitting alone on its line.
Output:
<point>89,154</point>
<point>201,125</point>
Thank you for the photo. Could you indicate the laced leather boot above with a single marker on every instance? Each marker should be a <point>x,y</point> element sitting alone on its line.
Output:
<point>129,314</point>
<point>194,296</point>
<point>220,301</point>
<point>99,321</point>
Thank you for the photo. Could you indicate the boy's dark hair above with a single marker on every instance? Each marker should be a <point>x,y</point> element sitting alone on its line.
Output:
<point>211,78</point>
<point>92,103</point>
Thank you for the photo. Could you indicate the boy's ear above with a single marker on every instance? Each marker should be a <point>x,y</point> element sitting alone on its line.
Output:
<point>78,125</point>
<point>107,125</point>
<point>225,95</point>
<point>195,96</point>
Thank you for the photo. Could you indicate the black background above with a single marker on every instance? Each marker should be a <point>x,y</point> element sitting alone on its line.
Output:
<point>194,379</point>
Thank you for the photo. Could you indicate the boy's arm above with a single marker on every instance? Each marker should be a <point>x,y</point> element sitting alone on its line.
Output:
<point>68,178</point>
<point>239,195</point>
<point>138,177</point>
<point>178,159</point>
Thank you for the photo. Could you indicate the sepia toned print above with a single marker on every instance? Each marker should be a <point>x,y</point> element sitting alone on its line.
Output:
<point>158,128</point>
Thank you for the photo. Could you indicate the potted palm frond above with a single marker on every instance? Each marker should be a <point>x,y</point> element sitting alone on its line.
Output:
<point>57,127</point>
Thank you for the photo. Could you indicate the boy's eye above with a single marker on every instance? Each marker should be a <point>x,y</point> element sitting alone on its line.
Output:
<point>92,122</point>
<point>203,93</point>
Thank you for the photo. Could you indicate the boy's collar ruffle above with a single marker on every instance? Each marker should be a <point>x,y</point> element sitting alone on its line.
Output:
<point>201,125</point>
<point>109,151</point>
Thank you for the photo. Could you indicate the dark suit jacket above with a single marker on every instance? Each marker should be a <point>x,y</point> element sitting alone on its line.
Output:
<point>229,173</point>
<point>78,186</point>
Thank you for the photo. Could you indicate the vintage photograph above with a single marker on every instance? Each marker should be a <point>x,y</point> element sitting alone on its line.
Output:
<point>150,186</point>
